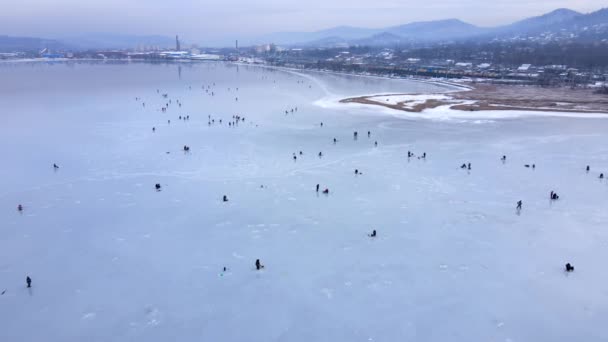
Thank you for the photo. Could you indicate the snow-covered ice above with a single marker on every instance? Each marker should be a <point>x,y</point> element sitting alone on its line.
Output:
<point>112,259</point>
<point>406,100</point>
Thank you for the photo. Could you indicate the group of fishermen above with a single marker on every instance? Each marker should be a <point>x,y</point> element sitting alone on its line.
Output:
<point>326,191</point>
<point>410,154</point>
<point>295,109</point>
<point>233,123</point>
<point>237,118</point>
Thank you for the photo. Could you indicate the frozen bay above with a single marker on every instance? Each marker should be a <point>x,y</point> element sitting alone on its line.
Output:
<point>112,259</point>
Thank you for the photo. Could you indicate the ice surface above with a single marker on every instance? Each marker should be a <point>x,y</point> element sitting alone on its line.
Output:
<point>112,259</point>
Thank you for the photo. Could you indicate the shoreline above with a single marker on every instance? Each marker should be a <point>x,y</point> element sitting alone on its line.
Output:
<point>458,96</point>
<point>455,87</point>
<point>490,97</point>
<point>479,97</point>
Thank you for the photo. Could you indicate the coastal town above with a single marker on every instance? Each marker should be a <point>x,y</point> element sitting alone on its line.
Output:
<point>498,63</point>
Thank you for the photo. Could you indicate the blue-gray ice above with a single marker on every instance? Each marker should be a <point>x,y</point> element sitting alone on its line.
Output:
<point>112,259</point>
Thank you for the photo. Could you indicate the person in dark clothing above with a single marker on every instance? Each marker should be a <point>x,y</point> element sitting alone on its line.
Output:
<point>225,198</point>
<point>463,166</point>
<point>369,134</point>
<point>55,166</point>
<point>317,187</point>
<point>355,134</point>
<point>19,207</point>
<point>569,268</point>
<point>356,171</point>
<point>320,154</point>
<point>519,203</point>
<point>375,143</point>
<point>295,158</point>
<point>588,168</point>
<point>504,158</point>
<point>326,191</point>
<point>157,186</point>
<point>28,280</point>
<point>601,176</point>
<point>153,129</point>
<point>335,140</point>
<point>424,155</point>
<point>373,234</point>
<point>469,166</point>
<point>258,264</point>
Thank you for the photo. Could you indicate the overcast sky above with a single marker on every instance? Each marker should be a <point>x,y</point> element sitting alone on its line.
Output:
<point>198,20</point>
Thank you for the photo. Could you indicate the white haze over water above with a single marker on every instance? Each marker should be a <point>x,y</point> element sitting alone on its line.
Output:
<point>111,259</point>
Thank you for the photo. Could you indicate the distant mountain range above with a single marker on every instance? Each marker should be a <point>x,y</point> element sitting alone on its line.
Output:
<point>85,42</point>
<point>10,44</point>
<point>426,30</point>
<point>118,41</point>
<point>564,22</point>
<point>444,30</point>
